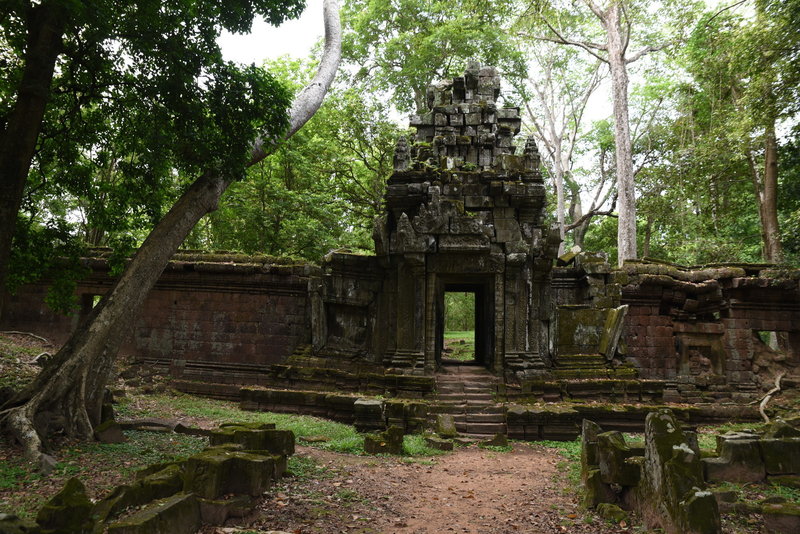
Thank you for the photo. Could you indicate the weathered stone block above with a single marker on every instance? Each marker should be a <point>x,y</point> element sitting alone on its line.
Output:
<point>179,514</point>
<point>109,432</point>
<point>612,453</point>
<point>781,456</point>
<point>439,443</point>
<point>446,426</point>
<point>739,461</point>
<point>217,471</point>
<point>782,518</point>
<point>255,438</point>
<point>388,442</point>
<point>11,524</point>
<point>70,510</point>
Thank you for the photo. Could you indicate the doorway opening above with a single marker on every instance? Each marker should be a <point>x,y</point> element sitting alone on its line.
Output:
<point>459,327</point>
<point>464,324</point>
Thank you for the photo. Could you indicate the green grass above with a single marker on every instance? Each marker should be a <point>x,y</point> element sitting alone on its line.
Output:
<point>341,437</point>
<point>461,344</point>
<point>415,445</point>
<point>571,452</point>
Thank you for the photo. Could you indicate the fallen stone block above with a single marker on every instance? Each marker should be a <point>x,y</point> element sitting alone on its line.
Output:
<point>389,442</point>
<point>612,456</point>
<point>179,514</point>
<point>256,437</point>
<point>782,518</point>
<point>781,455</point>
<point>218,471</point>
<point>739,461</point>
<point>70,510</point>
<point>217,511</point>
<point>109,432</point>
<point>439,443</point>
<point>11,524</point>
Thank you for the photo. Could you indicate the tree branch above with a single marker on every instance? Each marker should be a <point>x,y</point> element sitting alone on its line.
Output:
<point>644,51</point>
<point>589,215</point>
<point>586,45</point>
<point>308,101</point>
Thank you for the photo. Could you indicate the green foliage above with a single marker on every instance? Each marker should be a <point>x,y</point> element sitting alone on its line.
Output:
<point>49,250</point>
<point>142,103</point>
<point>459,310</point>
<point>321,190</point>
<point>401,47</point>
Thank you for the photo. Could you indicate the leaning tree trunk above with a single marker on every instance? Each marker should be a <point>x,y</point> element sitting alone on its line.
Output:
<point>45,25</point>
<point>68,391</point>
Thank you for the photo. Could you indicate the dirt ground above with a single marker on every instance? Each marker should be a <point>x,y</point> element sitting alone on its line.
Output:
<point>473,490</point>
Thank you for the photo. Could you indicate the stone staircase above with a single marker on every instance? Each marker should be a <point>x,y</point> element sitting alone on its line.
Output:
<point>467,393</point>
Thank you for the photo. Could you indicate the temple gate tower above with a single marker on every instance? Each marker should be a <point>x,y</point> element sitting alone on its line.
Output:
<point>464,212</point>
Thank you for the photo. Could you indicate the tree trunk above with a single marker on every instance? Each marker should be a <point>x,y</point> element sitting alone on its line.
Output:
<point>626,232</point>
<point>45,27</point>
<point>68,391</point>
<point>768,208</point>
<point>558,171</point>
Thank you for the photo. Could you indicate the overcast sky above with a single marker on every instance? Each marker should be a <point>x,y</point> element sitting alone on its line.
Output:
<point>294,37</point>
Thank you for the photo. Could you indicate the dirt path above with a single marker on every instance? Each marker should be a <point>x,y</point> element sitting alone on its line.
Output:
<point>473,490</point>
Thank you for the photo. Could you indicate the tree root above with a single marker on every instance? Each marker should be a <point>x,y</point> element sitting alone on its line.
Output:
<point>30,334</point>
<point>768,396</point>
<point>19,423</point>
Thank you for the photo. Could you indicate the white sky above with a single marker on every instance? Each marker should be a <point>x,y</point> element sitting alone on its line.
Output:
<point>294,37</point>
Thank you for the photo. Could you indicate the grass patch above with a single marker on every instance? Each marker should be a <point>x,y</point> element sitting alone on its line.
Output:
<point>341,437</point>
<point>571,452</point>
<point>100,466</point>
<point>415,445</point>
<point>459,345</point>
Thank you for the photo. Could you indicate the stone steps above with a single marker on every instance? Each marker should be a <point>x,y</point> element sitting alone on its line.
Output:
<point>467,393</point>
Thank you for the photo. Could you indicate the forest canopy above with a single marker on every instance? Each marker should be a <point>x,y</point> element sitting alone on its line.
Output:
<point>711,99</point>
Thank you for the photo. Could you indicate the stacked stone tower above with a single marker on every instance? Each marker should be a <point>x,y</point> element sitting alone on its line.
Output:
<point>464,212</point>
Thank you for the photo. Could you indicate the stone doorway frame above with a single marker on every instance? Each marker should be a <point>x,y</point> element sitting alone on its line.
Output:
<point>482,286</point>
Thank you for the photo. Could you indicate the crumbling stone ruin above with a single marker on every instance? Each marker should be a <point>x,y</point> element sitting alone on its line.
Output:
<point>665,481</point>
<point>465,211</point>
<point>225,480</point>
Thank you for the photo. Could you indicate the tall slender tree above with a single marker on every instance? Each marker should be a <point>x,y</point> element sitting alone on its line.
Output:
<point>612,44</point>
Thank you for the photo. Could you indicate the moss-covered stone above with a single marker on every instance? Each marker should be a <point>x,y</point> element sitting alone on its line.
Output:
<point>781,518</point>
<point>388,442</point>
<point>780,429</point>
<point>438,443</point>
<point>595,491</point>
<point>218,471</point>
<point>255,439</point>
<point>611,512</point>
<point>179,514</point>
<point>671,494</point>
<point>498,440</point>
<point>739,461</point>
<point>217,511</point>
<point>589,432</point>
<point>11,524</point>
<point>159,485</point>
<point>68,512</point>
<point>109,432</point>
<point>612,453</point>
<point>446,426</point>
<point>781,456</point>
